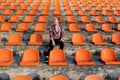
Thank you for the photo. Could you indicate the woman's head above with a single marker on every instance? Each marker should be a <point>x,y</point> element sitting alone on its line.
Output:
<point>56,21</point>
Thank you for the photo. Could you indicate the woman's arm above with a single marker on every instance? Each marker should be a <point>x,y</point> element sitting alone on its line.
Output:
<point>62,34</point>
<point>51,36</point>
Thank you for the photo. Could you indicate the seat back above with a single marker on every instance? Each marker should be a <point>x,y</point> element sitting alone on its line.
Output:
<point>115,37</point>
<point>108,54</point>
<point>22,77</point>
<point>97,37</point>
<point>106,27</point>
<point>36,38</point>
<point>15,37</point>
<point>6,26</point>
<point>58,77</point>
<point>83,55</point>
<point>31,55</point>
<point>93,77</point>
<point>90,27</point>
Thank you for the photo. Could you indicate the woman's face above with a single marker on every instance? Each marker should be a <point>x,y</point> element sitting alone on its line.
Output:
<point>55,21</point>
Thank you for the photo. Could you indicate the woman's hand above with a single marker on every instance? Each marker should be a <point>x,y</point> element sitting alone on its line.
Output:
<point>62,40</point>
<point>53,42</point>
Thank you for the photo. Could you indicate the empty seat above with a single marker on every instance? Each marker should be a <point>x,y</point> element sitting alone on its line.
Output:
<point>99,19</point>
<point>90,28</point>
<point>30,58</point>
<point>57,58</point>
<point>115,38</point>
<point>58,77</point>
<point>57,12</point>
<point>7,12</point>
<point>107,28</point>
<point>98,39</point>
<point>6,57</point>
<point>105,13</point>
<point>73,27</point>
<point>93,13</point>
<point>43,19</point>
<point>83,57</point>
<point>14,19</point>
<point>98,8</point>
<point>22,27</point>
<point>85,19</point>
<point>116,13</point>
<point>40,27</point>
<point>35,39</point>
<point>28,19</point>
<point>108,56</point>
<point>69,12</point>
<point>20,12</point>
<point>1,18</point>
<point>5,27</point>
<point>78,39</point>
<point>81,13</point>
<point>118,27</point>
<point>71,19</point>
<point>32,12</point>
<point>45,12</point>
<point>14,40</point>
<point>112,19</point>
<point>93,77</point>
<point>2,7</point>
<point>22,77</point>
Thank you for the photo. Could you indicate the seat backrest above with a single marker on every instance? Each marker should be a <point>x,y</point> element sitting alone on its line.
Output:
<point>36,38</point>
<point>22,77</point>
<point>58,77</point>
<point>115,37</point>
<point>98,18</point>
<point>57,55</point>
<point>15,37</point>
<point>106,27</point>
<point>83,55</point>
<point>93,77</point>
<point>6,55</point>
<point>108,54</point>
<point>31,55</point>
<point>78,37</point>
<point>6,26</point>
<point>97,37</point>
<point>90,27</point>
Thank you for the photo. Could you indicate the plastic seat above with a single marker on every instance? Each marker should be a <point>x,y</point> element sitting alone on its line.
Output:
<point>105,13</point>
<point>116,13</point>
<point>58,77</point>
<point>73,27</point>
<point>98,8</point>
<point>107,28</point>
<point>30,58</point>
<point>81,13</point>
<point>108,56</point>
<point>7,12</point>
<point>43,19</point>
<point>93,13</point>
<point>57,13</point>
<point>109,8</point>
<point>14,19</point>
<point>78,39</point>
<point>20,12</point>
<point>40,27</point>
<point>13,7</point>
<point>57,58</point>
<point>112,19</point>
<point>22,77</point>
<point>28,19</point>
<point>69,13</point>
<point>85,19</point>
<point>36,39</point>
<point>88,8</point>
<point>118,27</point>
<point>5,27</point>
<point>22,27</point>
<point>71,19</point>
<point>93,77</point>
<point>44,13</point>
<point>1,18</point>
<point>99,19</point>
<point>2,7</point>
<point>6,57</point>
<point>32,12</point>
<point>115,38</point>
<point>90,28</point>
<point>83,57</point>
<point>14,40</point>
<point>98,39</point>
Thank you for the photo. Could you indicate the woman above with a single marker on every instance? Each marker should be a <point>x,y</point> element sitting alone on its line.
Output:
<point>56,34</point>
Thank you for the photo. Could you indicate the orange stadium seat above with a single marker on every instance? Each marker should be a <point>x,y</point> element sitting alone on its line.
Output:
<point>116,13</point>
<point>98,8</point>
<point>36,39</point>
<point>109,8</point>
<point>32,12</point>
<point>108,56</point>
<point>22,77</point>
<point>43,19</point>
<point>24,7</point>
<point>105,13</point>
<point>1,18</point>
<point>93,76</point>
<point>78,39</point>
<point>85,19</point>
<point>57,12</point>
<point>73,27</point>
<point>2,7</point>
<point>14,18</point>
<point>28,19</point>
<point>115,38</point>
<point>83,57</point>
<point>81,13</point>
<point>69,12</point>
<point>118,27</point>
<point>14,40</point>
<point>112,19</point>
<point>6,57</point>
<point>40,27</point>
<point>13,7</point>
<point>90,28</point>
<point>88,8</point>
<point>58,77</point>
<point>98,39</point>
<point>7,12</point>
<point>44,12</point>
<point>99,19</point>
<point>57,60</point>
<point>107,28</point>
<point>93,13</point>
<point>5,27</point>
<point>71,19</point>
<point>22,27</point>
<point>20,12</point>
<point>30,58</point>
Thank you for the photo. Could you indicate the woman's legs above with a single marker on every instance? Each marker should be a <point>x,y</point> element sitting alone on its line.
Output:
<point>50,47</point>
<point>61,45</point>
